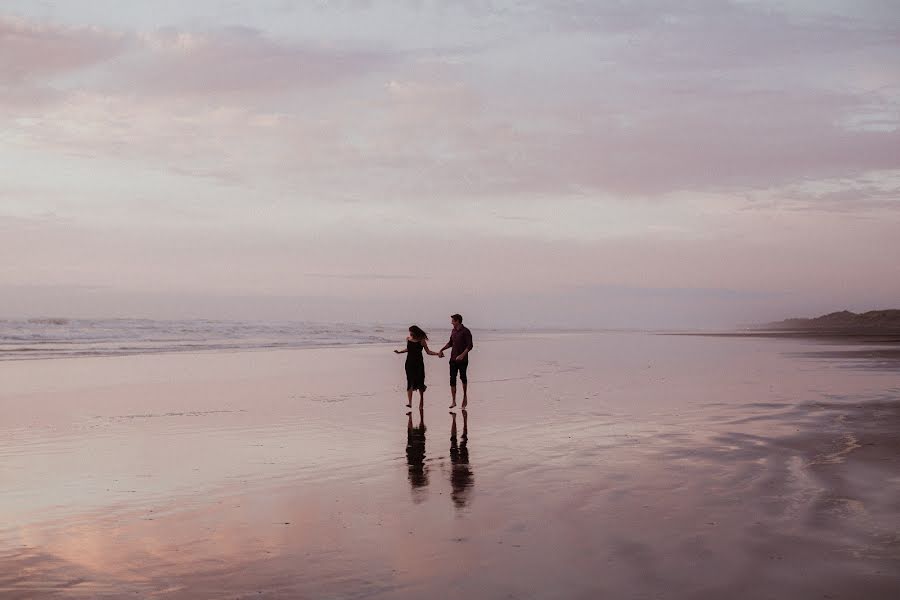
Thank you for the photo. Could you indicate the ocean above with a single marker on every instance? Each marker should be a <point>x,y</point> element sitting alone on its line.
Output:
<point>32,339</point>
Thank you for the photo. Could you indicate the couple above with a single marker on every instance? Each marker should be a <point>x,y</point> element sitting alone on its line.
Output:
<point>460,345</point>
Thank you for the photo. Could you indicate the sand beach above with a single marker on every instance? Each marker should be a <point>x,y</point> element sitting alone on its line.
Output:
<point>589,465</point>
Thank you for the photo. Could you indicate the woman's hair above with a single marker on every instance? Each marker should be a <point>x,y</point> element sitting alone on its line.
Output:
<point>417,333</point>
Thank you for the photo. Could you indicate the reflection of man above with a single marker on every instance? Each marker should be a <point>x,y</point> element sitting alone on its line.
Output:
<point>460,344</point>
<point>461,475</point>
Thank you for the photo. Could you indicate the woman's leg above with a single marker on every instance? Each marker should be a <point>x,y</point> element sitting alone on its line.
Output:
<point>409,398</point>
<point>421,399</point>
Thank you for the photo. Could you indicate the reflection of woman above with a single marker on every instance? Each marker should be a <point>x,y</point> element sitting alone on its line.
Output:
<point>415,364</point>
<point>415,452</point>
<point>461,473</point>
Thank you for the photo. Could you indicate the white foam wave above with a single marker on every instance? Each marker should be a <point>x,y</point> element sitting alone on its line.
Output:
<point>61,338</point>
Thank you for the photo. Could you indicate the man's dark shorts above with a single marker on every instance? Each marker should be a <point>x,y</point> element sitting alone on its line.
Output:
<point>459,367</point>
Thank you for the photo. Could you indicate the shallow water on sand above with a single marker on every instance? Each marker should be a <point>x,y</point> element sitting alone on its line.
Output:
<point>589,465</point>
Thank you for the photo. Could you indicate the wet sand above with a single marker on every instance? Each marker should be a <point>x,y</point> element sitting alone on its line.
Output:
<point>589,465</point>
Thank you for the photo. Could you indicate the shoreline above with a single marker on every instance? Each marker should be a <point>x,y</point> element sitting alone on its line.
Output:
<point>62,349</point>
<point>859,337</point>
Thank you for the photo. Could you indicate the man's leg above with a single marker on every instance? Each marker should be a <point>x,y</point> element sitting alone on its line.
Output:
<point>453,370</point>
<point>465,381</point>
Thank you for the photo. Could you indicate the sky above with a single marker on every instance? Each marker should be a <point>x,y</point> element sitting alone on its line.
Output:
<point>528,164</point>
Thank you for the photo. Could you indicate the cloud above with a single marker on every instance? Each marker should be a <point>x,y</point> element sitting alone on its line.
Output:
<point>35,51</point>
<point>636,100</point>
<point>711,33</point>
<point>713,139</point>
<point>33,55</point>
<point>240,60</point>
<point>874,195</point>
<point>362,276</point>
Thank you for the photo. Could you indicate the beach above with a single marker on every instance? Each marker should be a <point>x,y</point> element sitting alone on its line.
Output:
<point>589,465</point>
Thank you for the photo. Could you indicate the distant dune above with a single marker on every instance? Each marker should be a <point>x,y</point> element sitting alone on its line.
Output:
<point>844,322</point>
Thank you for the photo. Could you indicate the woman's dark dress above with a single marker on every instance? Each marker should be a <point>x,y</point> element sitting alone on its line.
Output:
<point>415,366</point>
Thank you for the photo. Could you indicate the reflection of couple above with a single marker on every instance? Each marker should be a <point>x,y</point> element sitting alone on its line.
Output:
<point>460,345</point>
<point>461,474</point>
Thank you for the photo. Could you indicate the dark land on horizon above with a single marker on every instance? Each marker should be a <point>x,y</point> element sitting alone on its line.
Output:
<point>877,322</point>
<point>874,326</point>
<point>875,335</point>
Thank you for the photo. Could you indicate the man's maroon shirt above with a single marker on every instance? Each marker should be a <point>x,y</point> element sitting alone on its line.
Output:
<point>460,340</point>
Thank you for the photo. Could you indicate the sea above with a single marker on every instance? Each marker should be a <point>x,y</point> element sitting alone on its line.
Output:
<point>30,339</point>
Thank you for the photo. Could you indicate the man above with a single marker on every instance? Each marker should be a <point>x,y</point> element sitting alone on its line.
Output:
<point>460,344</point>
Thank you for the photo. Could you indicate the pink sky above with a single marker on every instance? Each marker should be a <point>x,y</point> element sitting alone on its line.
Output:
<point>546,163</point>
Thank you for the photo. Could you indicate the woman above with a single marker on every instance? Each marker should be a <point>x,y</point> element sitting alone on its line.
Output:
<point>415,455</point>
<point>415,363</point>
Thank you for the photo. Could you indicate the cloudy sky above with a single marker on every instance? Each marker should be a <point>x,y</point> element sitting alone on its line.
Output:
<point>544,163</point>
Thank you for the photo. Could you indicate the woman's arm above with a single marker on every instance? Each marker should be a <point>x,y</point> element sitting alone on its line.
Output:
<point>399,351</point>
<point>427,349</point>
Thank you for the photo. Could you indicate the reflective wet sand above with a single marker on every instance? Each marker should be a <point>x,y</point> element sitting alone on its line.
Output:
<point>588,465</point>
